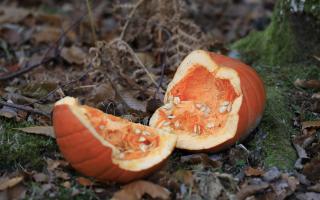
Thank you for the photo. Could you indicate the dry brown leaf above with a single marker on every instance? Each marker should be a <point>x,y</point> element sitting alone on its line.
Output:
<point>61,174</point>
<point>54,164</point>
<point>47,35</point>
<point>249,171</point>
<point>312,169</point>
<point>16,192</point>
<point>201,158</point>
<point>185,176</point>
<point>73,55</point>
<point>135,191</point>
<point>315,84</point>
<point>12,14</point>
<point>40,130</point>
<point>311,124</point>
<point>6,182</point>
<point>84,181</point>
<point>40,177</point>
<point>315,188</point>
<point>250,190</point>
<point>8,112</point>
<point>66,184</point>
<point>147,59</point>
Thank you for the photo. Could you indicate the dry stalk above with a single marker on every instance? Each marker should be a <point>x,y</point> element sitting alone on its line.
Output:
<point>130,17</point>
<point>92,23</point>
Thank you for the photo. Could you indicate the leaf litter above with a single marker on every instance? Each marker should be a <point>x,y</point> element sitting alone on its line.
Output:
<point>125,75</point>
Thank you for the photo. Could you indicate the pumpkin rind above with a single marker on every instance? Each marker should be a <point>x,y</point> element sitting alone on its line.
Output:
<point>93,156</point>
<point>244,115</point>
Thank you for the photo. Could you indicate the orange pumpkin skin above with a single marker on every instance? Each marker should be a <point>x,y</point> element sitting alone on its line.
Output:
<point>86,153</point>
<point>252,93</point>
<point>254,98</point>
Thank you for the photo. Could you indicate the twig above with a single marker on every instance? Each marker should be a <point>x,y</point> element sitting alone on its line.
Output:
<point>63,85</point>
<point>136,58</point>
<point>92,23</point>
<point>44,59</point>
<point>25,108</point>
<point>129,18</point>
<point>25,69</point>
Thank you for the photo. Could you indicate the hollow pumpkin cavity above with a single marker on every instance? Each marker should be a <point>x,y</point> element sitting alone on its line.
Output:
<point>131,140</point>
<point>199,104</point>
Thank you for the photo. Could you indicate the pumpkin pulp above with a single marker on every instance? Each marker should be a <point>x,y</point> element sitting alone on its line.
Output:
<point>198,104</point>
<point>132,140</point>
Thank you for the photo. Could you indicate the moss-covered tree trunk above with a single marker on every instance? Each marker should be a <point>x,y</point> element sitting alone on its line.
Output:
<point>292,36</point>
<point>286,50</point>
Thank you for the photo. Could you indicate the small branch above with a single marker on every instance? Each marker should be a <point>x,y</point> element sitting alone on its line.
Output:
<point>25,70</point>
<point>129,18</point>
<point>63,85</point>
<point>25,108</point>
<point>44,59</point>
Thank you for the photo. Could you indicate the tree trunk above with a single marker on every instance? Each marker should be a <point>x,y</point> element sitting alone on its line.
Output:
<point>293,35</point>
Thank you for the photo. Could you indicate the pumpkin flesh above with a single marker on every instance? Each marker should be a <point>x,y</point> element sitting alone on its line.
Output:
<point>205,104</point>
<point>201,112</point>
<point>107,147</point>
<point>132,140</point>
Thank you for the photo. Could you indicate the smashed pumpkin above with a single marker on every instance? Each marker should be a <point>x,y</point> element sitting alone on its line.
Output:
<point>107,147</point>
<point>212,102</point>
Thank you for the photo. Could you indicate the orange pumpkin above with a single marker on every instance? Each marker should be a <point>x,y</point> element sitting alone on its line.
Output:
<point>212,102</point>
<point>107,147</point>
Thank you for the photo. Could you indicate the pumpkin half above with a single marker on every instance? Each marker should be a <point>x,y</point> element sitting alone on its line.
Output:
<point>107,147</point>
<point>212,102</point>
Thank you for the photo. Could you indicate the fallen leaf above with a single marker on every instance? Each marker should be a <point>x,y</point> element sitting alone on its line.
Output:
<point>8,112</point>
<point>38,89</point>
<point>128,97</point>
<point>310,124</point>
<point>40,177</point>
<point>146,58</point>
<point>47,34</point>
<point>315,188</point>
<point>135,191</point>
<point>302,156</point>
<point>200,158</point>
<point>54,164</point>
<point>12,14</point>
<point>40,130</point>
<point>84,181</point>
<point>249,171</point>
<point>307,196</point>
<point>6,182</point>
<point>315,84</point>
<point>101,93</point>
<point>73,54</point>
<point>250,190</point>
<point>184,176</point>
<point>272,174</point>
<point>61,174</point>
<point>66,184</point>
<point>312,169</point>
<point>213,186</point>
<point>16,192</point>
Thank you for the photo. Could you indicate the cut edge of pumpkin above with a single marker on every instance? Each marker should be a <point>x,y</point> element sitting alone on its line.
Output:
<point>189,141</point>
<point>167,142</point>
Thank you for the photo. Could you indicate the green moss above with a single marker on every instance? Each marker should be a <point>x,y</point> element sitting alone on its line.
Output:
<point>19,149</point>
<point>287,39</point>
<point>277,119</point>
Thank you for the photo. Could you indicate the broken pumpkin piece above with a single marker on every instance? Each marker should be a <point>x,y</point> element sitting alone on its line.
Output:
<point>107,147</point>
<point>212,102</point>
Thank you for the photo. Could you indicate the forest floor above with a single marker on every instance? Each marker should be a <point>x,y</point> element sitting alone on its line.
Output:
<point>44,56</point>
